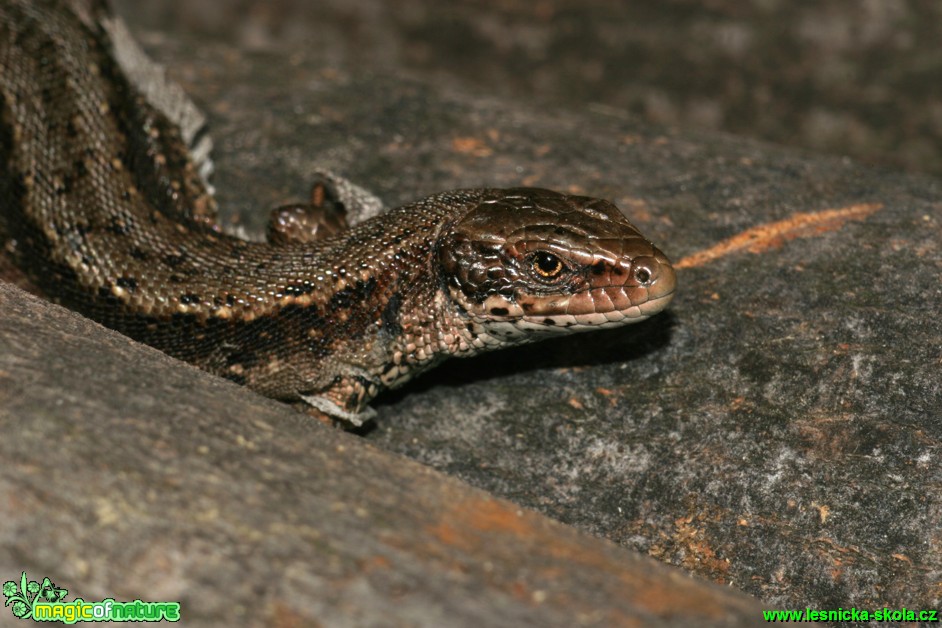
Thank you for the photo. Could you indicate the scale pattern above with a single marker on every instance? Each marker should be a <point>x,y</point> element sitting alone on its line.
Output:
<point>105,211</point>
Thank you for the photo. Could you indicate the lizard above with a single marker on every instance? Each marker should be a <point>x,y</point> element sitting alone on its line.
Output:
<point>106,209</point>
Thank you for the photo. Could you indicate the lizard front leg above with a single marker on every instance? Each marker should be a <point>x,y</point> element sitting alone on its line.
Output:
<point>324,215</point>
<point>334,205</point>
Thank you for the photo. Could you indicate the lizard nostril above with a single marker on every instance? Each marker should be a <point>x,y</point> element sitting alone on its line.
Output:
<point>644,270</point>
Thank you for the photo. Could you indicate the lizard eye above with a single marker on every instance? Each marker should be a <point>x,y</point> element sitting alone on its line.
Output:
<point>547,265</point>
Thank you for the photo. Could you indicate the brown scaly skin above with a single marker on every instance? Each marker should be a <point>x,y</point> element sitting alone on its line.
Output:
<point>105,213</point>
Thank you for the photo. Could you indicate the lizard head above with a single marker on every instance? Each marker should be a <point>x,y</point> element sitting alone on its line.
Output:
<point>528,259</point>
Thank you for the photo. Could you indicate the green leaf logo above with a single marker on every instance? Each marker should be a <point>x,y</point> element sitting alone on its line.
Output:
<point>22,596</point>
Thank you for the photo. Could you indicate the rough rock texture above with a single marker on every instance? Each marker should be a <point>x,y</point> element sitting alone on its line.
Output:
<point>845,76</point>
<point>129,475</point>
<point>779,430</point>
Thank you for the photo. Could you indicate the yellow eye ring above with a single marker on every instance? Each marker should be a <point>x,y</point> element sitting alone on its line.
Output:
<point>547,265</point>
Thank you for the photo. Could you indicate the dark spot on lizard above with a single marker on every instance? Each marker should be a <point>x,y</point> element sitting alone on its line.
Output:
<point>47,93</point>
<point>138,254</point>
<point>246,358</point>
<point>128,283</point>
<point>390,316</point>
<point>549,321</point>
<point>598,268</point>
<point>238,378</point>
<point>350,296</point>
<point>65,187</point>
<point>499,311</point>
<point>189,298</point>
<point>78,166</point>
<point>118,226</point>
<point>174,260</point>
<point>238,250</point>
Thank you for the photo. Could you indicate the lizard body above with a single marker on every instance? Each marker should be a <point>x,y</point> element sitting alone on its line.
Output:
<point>105,211</point>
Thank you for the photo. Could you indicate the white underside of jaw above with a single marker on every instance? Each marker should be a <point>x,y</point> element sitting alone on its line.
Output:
<point>578,322</point>
<point>500,330</point>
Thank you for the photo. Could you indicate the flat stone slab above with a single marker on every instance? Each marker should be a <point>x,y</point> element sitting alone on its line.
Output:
<point>130,475</point>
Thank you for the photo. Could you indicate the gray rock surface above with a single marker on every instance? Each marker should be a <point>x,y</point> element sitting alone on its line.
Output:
<point>847,77</point>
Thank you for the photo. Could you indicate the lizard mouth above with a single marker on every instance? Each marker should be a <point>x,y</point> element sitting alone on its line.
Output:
<point>602,317</point>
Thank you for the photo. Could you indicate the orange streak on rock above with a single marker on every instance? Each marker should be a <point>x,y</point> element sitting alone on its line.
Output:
<point>774,234</point>
<point>498,530</point>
